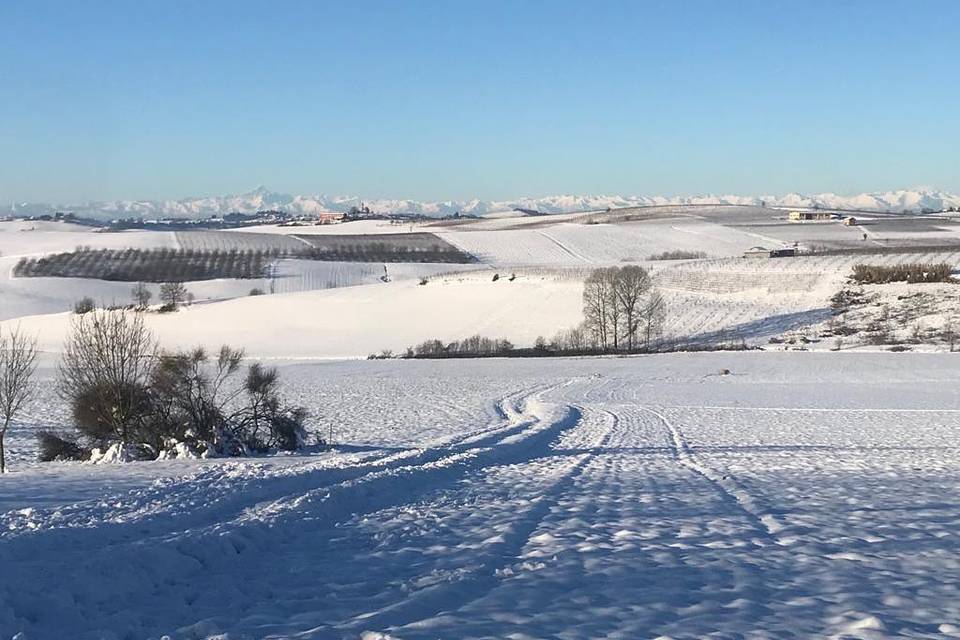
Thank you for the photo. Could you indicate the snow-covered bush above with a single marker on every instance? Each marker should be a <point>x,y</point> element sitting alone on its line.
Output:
<point>129,400</point>
<point>198,405</point>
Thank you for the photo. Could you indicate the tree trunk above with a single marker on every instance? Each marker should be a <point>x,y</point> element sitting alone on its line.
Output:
<point>3,461</point>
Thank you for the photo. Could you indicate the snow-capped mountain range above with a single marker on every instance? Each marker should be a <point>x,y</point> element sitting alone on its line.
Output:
<point>261,199</point>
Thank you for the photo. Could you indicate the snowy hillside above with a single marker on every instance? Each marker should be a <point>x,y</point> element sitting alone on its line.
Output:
<point>801,496</point>
<point>261,199</point>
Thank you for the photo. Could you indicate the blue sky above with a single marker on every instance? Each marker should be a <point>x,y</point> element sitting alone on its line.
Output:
<point>459,99</point>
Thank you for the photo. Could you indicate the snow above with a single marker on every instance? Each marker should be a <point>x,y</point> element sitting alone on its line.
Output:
<point>350,321</point>
<point>29,296</point>
<point>262,199</point>
<point>802,495</point>
<point>794,495</point>
<point>366,227</point>
<point>567,243</point>
<point>23,297</point>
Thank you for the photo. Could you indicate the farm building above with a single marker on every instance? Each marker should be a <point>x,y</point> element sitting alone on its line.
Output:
<point>850,221</point>
<point>763,252</point>
<point>809,215</point>
<point>756,252</point>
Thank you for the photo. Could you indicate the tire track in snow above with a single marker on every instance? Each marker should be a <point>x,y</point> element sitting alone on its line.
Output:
<point>231,488</point>
<point>724,483</point>
<point>504,445</point>
<point>565,248</point>
<point>206,556</point>
<point>501,558</point>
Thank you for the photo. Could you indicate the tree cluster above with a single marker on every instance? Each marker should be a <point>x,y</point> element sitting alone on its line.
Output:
<point>622,312</point>
<point>472,347</point>
<point>123,389</point>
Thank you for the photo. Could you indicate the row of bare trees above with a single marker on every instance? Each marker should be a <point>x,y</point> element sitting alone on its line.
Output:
<point>148,265</point>
<point>622,311</point>
<point>472,347</point>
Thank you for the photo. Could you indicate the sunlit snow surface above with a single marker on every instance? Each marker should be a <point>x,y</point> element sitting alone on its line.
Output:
<point>802,495</point>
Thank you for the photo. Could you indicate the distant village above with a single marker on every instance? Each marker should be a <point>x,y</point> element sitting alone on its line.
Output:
<point>232,220</point>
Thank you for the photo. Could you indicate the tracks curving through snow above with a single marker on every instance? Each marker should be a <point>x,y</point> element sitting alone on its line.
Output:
<point>593,507</point>
<point>723,481</point>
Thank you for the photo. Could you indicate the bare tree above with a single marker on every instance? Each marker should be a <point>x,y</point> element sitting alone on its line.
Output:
<point>141,295</point>
<point>173,294</point>
<point>614,310</point>
<point>629,286</point>
<point>654,315</point>
<point>596,307</point>
<point>108,361</point>
<point>18,356</point>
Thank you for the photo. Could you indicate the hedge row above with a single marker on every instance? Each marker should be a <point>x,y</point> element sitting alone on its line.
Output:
<point>880,274</point>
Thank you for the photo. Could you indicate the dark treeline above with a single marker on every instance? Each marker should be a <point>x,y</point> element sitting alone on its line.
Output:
<point>373,251</point>
<point>387,247</point>
<point>148,265</point>
<point>881,274</point>
<point>473,347</point>
<point>170,265</point>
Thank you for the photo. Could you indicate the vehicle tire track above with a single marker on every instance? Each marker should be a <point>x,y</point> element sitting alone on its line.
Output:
<point>565,248</point>
<point>501,558</point>
<point>723,482</point>
<point>195,500</point>
<point>263,533</point>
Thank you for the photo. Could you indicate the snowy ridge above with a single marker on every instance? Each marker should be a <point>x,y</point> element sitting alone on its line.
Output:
<point>261,199</point>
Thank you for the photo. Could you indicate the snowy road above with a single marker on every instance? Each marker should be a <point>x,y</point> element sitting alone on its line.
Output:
<point>802,496</point>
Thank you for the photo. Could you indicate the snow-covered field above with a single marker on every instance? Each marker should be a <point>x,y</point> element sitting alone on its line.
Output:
<point>21,297</point>
<point>353,322</point>
<point>338,309</point>
<point>802,495</point>
<point>568,243</point>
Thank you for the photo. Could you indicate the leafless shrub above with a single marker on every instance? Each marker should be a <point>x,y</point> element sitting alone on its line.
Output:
<point>108,360</point>
<point>84,305</point>
<point>141,295</point>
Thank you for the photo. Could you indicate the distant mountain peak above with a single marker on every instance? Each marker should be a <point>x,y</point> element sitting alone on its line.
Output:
<point>916,199</point>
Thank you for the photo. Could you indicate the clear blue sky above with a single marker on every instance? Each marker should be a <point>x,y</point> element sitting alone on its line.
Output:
<point>458,99</point>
